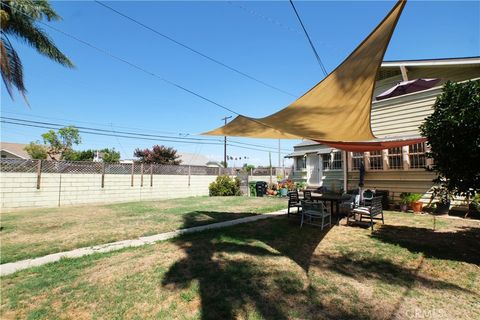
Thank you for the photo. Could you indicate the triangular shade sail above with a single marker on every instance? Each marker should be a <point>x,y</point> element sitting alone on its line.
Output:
<point>335,110</point>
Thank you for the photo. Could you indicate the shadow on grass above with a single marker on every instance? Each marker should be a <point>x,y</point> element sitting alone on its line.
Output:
<point>197,218</point>
<point>232,285</point>
<point>459,245</point>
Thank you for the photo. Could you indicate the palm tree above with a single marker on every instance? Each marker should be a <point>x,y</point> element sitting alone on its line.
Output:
<point>18,19</point>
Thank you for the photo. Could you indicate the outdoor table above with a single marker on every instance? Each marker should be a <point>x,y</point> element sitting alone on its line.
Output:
<point>333,199</point>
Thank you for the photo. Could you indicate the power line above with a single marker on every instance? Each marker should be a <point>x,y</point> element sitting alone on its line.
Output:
<point>140,68</point>
<point>122,134</point>
<point>309,40</point>
<point>111,126</point>
<point>192,49</point>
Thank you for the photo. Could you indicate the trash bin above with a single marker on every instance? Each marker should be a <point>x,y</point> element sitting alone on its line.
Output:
<point>261,188</point>
<point>252,188</point>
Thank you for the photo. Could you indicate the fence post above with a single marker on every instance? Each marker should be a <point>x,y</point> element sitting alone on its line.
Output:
<point>141,177</point>
<point>151,175</point>
<point>189,176</point>
<point>103,174</point>
<point>39,173</point>
<point>131,179</point>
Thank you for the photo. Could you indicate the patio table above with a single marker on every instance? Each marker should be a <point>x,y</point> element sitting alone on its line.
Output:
<point>334,199</point>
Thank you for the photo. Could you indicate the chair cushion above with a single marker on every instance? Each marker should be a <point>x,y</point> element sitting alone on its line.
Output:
<point>361,210</point>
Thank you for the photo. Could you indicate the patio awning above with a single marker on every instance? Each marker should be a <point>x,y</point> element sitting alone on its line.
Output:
<point>336,110</point>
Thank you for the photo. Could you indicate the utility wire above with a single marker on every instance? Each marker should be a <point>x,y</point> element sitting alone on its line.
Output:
<point>309,40</point>
<point>138,67</point>
<point>132,135</point>
<point>192,49</point>
<point>137,133</point>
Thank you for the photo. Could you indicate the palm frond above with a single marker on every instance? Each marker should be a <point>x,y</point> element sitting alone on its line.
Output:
<point>12,68</point>
<point>24,30</point>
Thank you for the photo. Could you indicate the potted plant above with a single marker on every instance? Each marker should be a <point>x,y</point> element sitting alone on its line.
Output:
<point>404,201</point>
<point>282,188</point>
<point>415,202</point>
<point>444,196</point>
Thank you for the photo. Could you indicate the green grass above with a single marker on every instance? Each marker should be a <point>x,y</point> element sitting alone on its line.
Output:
<point>33,233</point>
<point>269,269</point>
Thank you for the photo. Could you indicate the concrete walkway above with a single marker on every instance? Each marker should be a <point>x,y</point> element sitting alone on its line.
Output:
<point>12,267</point>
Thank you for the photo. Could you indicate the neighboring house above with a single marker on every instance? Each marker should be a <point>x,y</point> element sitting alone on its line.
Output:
<point>11,150</point>
<point>191,159</point>
<point>398,169</point>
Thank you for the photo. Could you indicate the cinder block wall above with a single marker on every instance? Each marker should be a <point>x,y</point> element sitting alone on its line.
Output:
<point>19,190</point>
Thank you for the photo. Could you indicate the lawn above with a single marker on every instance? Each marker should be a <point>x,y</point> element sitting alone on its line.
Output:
<point>37,232</point>
<point>269,269</point>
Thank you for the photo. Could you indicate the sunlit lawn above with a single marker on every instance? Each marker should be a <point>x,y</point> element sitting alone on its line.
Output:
<point>33,233</point>
<point>269,269</point>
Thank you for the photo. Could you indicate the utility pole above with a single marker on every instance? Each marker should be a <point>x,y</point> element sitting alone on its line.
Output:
<point>225,143</point>
<point>279,162</point>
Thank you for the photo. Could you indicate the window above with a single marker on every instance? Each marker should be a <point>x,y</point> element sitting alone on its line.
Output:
<point>395,159</point>
<point>357,158</point>
<point>337,160</point>
<point>416,155</point>
<point>376,160</point>
<point>300,163</point>
<point>326,161</point>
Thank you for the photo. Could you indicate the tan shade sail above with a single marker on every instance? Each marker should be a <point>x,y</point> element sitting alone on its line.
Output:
<point>338,108</point>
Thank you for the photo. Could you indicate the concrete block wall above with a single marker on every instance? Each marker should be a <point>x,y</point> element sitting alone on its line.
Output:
<point>19,190</point>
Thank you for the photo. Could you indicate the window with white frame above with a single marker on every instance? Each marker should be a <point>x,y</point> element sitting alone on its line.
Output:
<point>300,163</point>
<point>395,158</point>
<point>376,160</point>
<point>337,160</point>
<point>416,155</point>
<point>326,161</point>
<point>357,158</point>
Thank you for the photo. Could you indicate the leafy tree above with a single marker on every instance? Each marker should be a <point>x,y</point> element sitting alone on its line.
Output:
<point>61,142</point>
<point>84,155</point>
<point>248,167</point>
<point>158,154</point>
<point>18,20</point>
<point>36,151</point>
<point>110,155</point>
<point>453,133</point>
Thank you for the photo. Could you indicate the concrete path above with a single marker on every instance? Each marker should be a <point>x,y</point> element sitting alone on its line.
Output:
<point>12,267</point>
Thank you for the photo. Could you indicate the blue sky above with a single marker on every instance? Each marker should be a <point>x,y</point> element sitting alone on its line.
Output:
<point>262,39</point>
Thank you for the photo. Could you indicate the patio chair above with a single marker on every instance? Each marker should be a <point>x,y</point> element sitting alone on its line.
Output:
<point>315,210</point>
<point>367,197</point>
<point>348,205</point>
<point>371,212</point>
<point>307,195</point>
<point>293,202</point>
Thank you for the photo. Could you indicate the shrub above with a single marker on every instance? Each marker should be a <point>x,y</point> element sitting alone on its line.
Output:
<point>224,186</point>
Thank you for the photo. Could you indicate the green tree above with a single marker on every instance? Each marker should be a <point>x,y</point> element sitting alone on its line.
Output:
<point>110,155</point>
<point>61,142</point>
<point>18,20</point>
<point>453,133</point>
<point>158,154</point>
<point>84,155</point>
<point>36,151</point>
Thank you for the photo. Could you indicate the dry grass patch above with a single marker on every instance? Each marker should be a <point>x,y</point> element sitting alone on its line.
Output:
<point>33,233</point>
<point>268,269</point>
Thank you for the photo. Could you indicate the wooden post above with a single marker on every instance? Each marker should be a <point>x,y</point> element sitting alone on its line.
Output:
<point>141,176</point>
<point>133,168</point>
<point>151,175</point>
<point>189,176</point>
<point>39,173</point>
<point>103,174</point>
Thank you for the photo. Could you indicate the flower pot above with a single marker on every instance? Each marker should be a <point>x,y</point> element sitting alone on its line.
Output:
<point>283,192</point>
<point>442,207</point>
<point>404,207</point>
<point>417,206</point>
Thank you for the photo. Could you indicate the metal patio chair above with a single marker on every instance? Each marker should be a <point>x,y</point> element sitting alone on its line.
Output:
<point>370,212</point>
<point>293,202</point>
<point>315,210</point>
